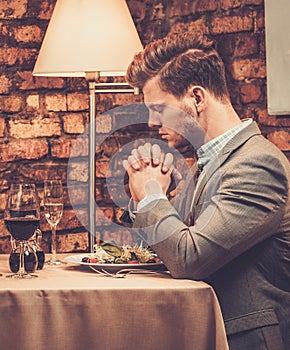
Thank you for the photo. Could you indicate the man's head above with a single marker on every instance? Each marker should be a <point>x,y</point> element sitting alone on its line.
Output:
<point>184,86</point>
<point>179,62</point>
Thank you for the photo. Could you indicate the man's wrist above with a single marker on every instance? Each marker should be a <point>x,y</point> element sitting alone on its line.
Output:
<point>150,198</point>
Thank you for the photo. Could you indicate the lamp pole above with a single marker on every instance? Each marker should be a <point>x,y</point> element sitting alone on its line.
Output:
<point>92,77</point>
<point>95,86</point>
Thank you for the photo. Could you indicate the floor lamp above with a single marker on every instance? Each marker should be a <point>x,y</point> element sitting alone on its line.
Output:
<point>90,39</point>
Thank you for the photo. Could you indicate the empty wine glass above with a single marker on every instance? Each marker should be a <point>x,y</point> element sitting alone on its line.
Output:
<point>53,209</point>
<point>21,217</point>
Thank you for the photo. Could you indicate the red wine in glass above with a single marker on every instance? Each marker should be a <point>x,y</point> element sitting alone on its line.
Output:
<point>21,217</point>
<point>22,228</point>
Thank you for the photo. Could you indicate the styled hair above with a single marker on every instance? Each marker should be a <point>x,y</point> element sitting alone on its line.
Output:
<point>180,61</point>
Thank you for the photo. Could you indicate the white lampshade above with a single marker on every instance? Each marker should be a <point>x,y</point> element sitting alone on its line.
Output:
<point>88,36</point>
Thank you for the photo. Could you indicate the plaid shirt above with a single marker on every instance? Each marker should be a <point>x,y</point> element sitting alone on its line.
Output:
<point>212,148</point>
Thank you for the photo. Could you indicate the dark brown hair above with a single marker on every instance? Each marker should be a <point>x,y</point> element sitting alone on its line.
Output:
<point>180,61</point>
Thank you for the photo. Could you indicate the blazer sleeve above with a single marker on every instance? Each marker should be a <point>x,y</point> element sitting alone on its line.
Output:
<point>245,207</point>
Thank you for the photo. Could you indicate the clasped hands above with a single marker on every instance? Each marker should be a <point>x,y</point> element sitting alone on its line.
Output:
<point>149,170</point>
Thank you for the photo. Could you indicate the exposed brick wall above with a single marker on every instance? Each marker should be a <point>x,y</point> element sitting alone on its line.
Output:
<point>41,118</point>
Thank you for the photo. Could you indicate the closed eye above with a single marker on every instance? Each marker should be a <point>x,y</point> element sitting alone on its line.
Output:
<point>159,108</point>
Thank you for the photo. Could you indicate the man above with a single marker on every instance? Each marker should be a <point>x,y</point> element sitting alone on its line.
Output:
<point>231,226</point>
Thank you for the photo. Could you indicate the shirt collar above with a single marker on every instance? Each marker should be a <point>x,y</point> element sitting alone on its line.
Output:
<point>212,148</point>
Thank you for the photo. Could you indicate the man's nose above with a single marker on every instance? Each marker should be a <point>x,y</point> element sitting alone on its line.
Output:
<point>154,119</point>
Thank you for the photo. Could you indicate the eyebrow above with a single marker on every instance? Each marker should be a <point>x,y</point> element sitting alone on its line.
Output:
<point>155,106</point>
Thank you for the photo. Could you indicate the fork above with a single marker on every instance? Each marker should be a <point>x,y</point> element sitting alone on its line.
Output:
<point>124,272</point>
<point>106,273</point>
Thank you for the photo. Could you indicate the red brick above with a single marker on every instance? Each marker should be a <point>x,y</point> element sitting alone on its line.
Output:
<point>239,45</point>
<point>78,171</point>
<point>245,113</point>
<point>77,101</point>
<point>104,216</point>
<point>80,146</point>
<point>28,34</point>
<point>36,127</point>
<point>55,102</point>
<point>8,55</point>
<point>61,148</point>
<point>70,242</point>
<point>78,194</point>
<point>78,198</point>
<point>103,123</point>
<point>259,21</point>
<point>246,45</point>
<point>157,12</point>
<point>12,103</point>
<point>106,102</point>
<point>4,84</point>
<point>205,5</point>
<point>102,169</point>
<point>220,25</point>
<point>37,171</point>
<point>281,139</point>
<point>3,200</point>
<point>73,123</point>
<point>116,193</point>
<point>3,31</point>
<point>253,2</point>
<point>198,26</point>
<point>12,55</point>
<point>46,9</point>
<point>228,4</point>
<point>66,148</point>
<point>127,99</point>
<point>13,8</point>
<point>74,242</point>
<point>29,82</point>
<point>3,230</point>
<point>248,68</point>
<point>5,245</point>
<point>250,93</point>
<point>32,102</point>
<point>184,8</point>
<point>137,8</point>
<point>271,120</point>
<point>24,149</point>
<point>2,127</point>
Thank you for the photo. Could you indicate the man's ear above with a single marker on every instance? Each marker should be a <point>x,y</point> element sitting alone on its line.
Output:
<point>197,93</point>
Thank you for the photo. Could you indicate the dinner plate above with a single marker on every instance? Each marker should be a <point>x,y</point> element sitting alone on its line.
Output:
<point>77,259</point>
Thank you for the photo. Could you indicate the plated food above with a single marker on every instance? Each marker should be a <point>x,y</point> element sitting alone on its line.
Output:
<point>111,253</point>
<point>108,256</point>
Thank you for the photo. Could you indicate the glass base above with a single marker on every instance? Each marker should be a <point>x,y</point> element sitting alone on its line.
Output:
<point>55,262</point>
<point>21,275</point>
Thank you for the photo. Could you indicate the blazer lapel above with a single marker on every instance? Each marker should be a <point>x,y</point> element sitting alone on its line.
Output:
<point>183,200</point>
<point>216,163</point>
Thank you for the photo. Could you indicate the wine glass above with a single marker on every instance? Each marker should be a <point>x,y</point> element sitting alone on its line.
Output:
<point>21,217</point>
<point>53,209</point>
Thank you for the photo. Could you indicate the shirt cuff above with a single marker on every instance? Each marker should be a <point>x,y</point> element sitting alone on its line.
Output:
<point>131,210</point>
<point>148,199</point>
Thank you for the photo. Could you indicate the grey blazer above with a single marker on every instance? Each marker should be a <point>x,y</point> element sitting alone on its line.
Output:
<point>231,228</point>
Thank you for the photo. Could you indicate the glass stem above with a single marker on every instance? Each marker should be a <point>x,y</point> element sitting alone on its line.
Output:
<point>21,257</point>
<point>53,243</point>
